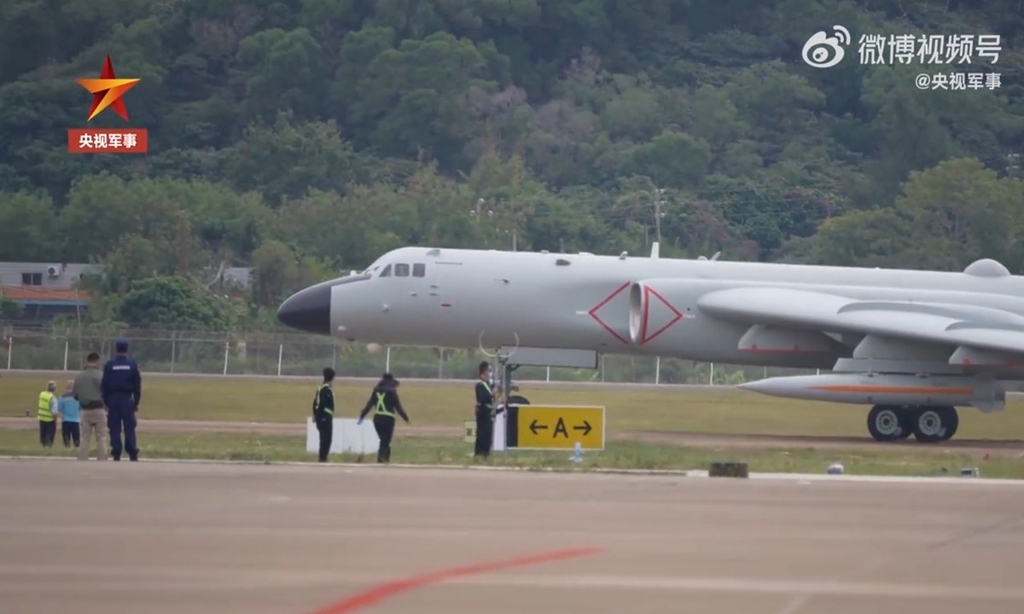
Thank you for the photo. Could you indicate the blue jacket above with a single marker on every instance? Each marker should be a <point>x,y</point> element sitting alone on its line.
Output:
<point>69,407</point>
<point>121,378</point>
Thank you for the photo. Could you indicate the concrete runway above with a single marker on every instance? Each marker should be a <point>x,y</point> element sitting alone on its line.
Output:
<point>162,538</point>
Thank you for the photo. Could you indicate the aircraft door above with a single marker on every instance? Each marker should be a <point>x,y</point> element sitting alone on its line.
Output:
<point>443,279</point>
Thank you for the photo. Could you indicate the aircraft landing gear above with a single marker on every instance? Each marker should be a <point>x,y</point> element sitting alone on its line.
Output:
<point>889,423</point>
<point>932,424</point>
<point>927,424</point>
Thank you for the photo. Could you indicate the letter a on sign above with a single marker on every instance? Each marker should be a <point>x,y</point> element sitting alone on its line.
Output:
<point>560,428</point>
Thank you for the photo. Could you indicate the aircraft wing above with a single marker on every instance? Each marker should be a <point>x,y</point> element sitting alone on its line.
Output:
<point>964,326</point>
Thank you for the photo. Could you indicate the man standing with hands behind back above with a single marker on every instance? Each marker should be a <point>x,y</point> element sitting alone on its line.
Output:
<point>93,416</point>
<point>122,391</point>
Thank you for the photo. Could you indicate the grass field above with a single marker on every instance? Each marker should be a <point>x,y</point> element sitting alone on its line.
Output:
<point>449,404</point>
<point>618,455</point>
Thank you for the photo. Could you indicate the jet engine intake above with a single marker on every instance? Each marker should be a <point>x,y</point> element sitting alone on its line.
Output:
<point>637,307</point>
<point>651,312</point>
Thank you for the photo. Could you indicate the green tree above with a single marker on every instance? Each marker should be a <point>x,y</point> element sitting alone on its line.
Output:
<point>174,303</point>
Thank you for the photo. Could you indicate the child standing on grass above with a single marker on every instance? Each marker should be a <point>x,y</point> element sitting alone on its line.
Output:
<point>69,407</point>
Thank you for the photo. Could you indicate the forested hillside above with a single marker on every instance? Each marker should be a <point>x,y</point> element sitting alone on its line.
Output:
<point>307,137</point>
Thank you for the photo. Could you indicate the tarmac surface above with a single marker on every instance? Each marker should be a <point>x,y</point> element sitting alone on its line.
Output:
<point>162,538</point>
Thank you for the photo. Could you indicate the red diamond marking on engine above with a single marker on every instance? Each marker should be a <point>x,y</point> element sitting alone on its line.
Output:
<point>593,312</point>
<point>676,316</point>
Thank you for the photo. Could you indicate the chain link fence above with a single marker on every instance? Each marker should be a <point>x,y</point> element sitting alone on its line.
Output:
<point>289,354</point>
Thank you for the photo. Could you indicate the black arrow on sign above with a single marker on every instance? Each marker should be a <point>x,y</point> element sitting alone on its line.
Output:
<point>586,428</point>
<point>537,427</point>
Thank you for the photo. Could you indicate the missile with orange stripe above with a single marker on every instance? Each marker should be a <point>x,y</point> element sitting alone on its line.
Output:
<point>885,389</point>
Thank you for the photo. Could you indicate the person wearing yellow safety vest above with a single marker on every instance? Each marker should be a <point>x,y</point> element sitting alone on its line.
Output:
<point>47,412</point>
<point>323,413</point>
<point>385,403</point>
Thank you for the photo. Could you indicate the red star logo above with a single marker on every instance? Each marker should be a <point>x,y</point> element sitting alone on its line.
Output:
<point>107,91</point>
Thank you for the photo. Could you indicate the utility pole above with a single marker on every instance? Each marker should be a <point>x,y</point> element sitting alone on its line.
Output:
<point>657,218</point>
<point>658,194</point>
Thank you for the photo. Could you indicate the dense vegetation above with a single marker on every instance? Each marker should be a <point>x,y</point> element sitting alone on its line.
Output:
<point>306,137</point>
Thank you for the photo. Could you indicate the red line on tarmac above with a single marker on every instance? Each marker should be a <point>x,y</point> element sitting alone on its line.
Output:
<point>390,589</point>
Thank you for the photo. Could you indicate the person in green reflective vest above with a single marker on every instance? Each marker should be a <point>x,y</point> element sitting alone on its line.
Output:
<point>47,412</point>
<point>323,413</point>
<point>385,404</point>
<point>485,410</point>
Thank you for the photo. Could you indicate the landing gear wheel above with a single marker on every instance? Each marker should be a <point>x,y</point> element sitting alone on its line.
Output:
<point>951,419</point>
<point>932,424</point>
<point>907,416</point>
<point>885,423</point>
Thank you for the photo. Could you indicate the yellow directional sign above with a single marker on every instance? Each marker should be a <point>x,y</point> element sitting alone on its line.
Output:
<point>555,427</point>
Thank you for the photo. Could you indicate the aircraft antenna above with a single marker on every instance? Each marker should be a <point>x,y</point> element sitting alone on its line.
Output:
<point>503,361</point>
<point>503,358</point>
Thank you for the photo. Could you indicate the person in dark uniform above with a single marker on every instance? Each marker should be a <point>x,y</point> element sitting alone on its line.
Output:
<point>122,391</point>
<point>385,403</point>
<point>323,413</point>
<point>485,399</point>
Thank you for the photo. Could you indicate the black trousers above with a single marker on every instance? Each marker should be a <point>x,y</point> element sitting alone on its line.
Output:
<point>70,431</point>
<point>385,427</point>
<point>47,433</point>
<point>484,433</point>
<point>325,424</point>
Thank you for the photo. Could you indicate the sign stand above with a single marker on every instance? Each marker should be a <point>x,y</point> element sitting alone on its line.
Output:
<point>571,427</point>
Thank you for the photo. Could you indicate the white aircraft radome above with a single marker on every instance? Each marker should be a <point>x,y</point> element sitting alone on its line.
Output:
<point>913,344</point>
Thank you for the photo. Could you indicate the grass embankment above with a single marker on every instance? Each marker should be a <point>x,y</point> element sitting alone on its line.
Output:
<point>727,411</point>
<point>617,455</point>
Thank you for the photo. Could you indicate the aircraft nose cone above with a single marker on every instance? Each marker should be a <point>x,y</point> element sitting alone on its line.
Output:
<point>308,310</point>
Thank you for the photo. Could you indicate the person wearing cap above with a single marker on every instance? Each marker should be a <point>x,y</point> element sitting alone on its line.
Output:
<point>385,403</point>
<point>122,390</point>
<point>48,410</point>
<point>323,413</point>
<point>484,412</point>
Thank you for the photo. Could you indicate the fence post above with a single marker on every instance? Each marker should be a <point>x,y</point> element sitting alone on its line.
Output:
<point>602,367</point>
<point>280,356</point>
<point>174,350</point>
<point>657,370</point>
<point>549,374</point>
<point>10,351</point>
<point>711,377</point>
<point>65,354</point>
<point>227,347</point>
<point>387,361</point>
<point>334,358</point>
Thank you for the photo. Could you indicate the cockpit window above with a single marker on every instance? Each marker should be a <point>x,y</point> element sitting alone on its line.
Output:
<point>386,272</point>
<point>419,270</point>
<point>401,270</point>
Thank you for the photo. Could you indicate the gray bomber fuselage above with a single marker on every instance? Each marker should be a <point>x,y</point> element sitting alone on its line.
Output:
<point>467,298</point>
